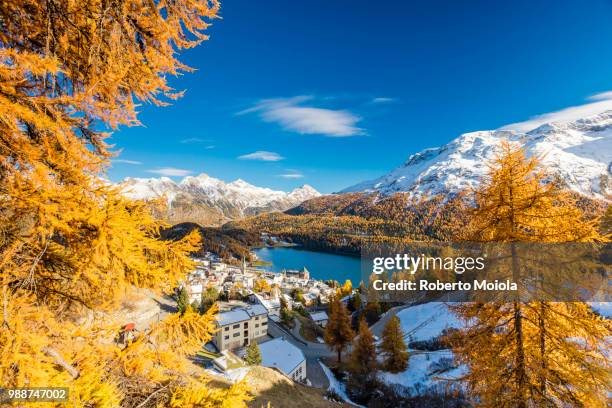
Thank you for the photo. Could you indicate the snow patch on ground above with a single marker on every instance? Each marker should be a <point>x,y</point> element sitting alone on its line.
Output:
<point>235,375</point>
<point>426,321</point>
<point>336,386</point>
<point>423,371</point>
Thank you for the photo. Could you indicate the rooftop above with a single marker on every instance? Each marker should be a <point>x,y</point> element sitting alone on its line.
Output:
<point>240,314</point>
<point>318,316</point>
<point>279,353</point>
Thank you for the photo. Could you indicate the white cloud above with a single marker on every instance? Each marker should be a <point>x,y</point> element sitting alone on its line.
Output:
<point>293,117</point>
<point>124,161</point>
<point>210,147</point>
<point>170,172</point>
<point>262,155</point>
<point>195,140</point>
<point>383,100</point>
<point>291,175</point>
<point>599,103</point>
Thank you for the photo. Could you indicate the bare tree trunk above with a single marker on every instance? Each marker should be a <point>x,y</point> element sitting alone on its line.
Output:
<point>521,375</point>
<point>544,366</point>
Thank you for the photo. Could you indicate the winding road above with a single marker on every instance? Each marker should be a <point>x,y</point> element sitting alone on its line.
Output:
<point>316,351</point>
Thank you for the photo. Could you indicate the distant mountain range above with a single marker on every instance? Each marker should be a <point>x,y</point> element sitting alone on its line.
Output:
<point>210,201</point>
<point>579,152</point>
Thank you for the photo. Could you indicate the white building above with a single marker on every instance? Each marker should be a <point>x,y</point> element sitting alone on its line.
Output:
<point>195,292</point>
<point>240,326</point>
<point>319,318</point>
<point>271,305</point>
<point>284,356</point>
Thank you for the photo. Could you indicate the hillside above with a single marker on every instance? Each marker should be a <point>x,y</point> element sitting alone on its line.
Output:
<point>229,243</point>
<point>343,222</point>
<point>269,386</point>
<point>578,152</point>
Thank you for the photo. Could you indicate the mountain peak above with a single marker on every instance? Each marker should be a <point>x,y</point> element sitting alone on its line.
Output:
<point>579,151</point>
<point>233,199</point>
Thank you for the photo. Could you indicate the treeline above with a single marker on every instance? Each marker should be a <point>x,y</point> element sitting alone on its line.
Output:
<point>229,243</point>
<point>344,222</point>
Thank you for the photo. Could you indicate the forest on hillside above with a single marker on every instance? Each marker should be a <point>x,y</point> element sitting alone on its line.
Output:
<point>344,222</point>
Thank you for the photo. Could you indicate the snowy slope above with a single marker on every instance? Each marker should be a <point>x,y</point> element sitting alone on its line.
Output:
<point>427,321</point>
<point>422,370</point>
<point>233,200</point>
<point>424,322</point>
<point>580,152</point>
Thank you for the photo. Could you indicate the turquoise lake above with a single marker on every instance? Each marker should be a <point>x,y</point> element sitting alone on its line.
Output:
<point>321,265</point>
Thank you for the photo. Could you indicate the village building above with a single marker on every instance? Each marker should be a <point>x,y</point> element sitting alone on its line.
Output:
<point>319,318</point>
<point>272,305</point>
<point>194,291</point>
<point>285,357</point>
<point>240,326</point>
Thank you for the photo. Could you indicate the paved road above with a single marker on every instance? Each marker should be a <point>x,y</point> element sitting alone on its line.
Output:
<point>312,351</point>
<point>315,351</point>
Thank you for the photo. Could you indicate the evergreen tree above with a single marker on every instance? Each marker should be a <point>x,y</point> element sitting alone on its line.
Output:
<point>338,332</point>
<point>208,299</point>
<point>394,347</point>
<point>182,300</point>
<point>355,302</point>
<point>286,317</point>
<point>363,356</point>
<point>253,354</point>
<point>283,303</point>
<point>285,314</point>
<point>372,312</point>
<point>531,353</point>
<point>362,289</point>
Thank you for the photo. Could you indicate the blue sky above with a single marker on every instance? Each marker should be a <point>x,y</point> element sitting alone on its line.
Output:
<point>332,92</point>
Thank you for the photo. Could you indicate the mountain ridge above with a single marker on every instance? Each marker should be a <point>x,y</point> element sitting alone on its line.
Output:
<point>578,151</point>
<point>211,201</point>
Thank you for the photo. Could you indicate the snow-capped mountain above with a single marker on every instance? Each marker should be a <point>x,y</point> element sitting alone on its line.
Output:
<point>209,200</point>
<point>579,152</point>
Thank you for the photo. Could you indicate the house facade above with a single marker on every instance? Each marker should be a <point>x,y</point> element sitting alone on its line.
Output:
<point>240,326</point>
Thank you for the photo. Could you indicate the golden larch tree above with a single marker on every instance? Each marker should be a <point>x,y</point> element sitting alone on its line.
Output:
<point>71,247</point>
<point>534,352</point>
<point>338,331</point>
<point>394,347</point>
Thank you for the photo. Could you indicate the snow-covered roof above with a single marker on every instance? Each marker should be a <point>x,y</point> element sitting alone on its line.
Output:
<point>256,310</point>
<point>232,316</point>
<point>281,354</point>
<point>240,314</point>
<point>318,316</point>
<point>269,304</point>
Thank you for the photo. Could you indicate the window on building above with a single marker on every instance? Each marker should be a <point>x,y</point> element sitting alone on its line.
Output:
<point>256,317</point>
<point>264,323</point>
<point>236,334</point>
<point>226,337</point>
<point>256,324</point>
<point>226,328</point>
<point>236,326</point>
